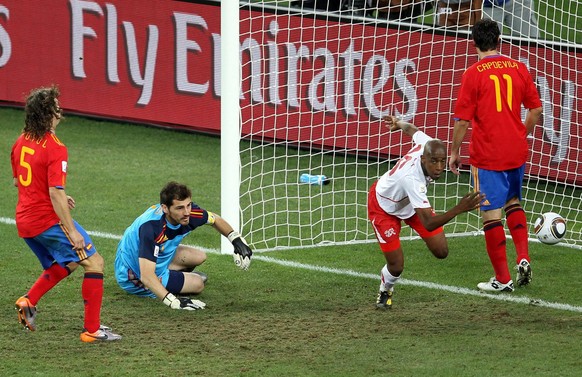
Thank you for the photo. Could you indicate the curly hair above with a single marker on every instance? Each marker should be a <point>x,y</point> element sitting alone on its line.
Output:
<point>174,191</point>
<point>40,108</point>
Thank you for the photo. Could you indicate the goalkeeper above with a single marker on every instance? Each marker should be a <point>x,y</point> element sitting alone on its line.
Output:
<point>150,260</point>
<point>401,195</point>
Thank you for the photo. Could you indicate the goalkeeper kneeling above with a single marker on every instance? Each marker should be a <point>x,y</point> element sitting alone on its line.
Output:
<point>150,260</point>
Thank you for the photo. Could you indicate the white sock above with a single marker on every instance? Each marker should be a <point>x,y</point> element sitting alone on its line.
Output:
<point>387,279</point>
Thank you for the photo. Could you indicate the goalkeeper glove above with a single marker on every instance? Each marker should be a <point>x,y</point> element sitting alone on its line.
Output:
<point>242,251</point>
<point>183,303</point>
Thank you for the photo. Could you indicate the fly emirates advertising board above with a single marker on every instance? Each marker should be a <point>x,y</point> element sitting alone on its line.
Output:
<point>160,65</point>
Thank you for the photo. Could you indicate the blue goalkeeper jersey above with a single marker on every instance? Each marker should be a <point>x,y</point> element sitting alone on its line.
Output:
<point>153,238</point>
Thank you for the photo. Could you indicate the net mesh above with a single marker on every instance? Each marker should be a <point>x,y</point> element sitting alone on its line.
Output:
<point>317,77</point>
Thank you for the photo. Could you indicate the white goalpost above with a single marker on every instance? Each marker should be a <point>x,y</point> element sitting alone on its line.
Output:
<point>230,119</point>
<point>303,91</point>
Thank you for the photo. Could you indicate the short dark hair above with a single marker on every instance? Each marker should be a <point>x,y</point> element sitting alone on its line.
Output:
<point>486,34</point>
<point>174,191</point>
<point>40,109</point>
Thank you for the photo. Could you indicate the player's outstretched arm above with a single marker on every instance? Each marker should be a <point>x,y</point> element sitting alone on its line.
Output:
<point>467,203</point>
<point>242,252</point>
<point>394,124</point>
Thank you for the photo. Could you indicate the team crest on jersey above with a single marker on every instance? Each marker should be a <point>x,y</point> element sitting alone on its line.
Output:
<point>162,237</point>
<point>422,189</point>
<point>156,251</point>
<point>64,166</point>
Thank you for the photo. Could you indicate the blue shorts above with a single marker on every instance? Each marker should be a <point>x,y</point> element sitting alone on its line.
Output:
<point>129,282</point>
<point>498,186</point>
<point>53,245</point>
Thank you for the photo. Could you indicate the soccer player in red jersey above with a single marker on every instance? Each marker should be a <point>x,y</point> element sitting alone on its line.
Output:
<point>43,217</point>
<point>490,98</point>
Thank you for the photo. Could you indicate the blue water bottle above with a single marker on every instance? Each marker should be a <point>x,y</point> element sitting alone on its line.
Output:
<point>317,180</point>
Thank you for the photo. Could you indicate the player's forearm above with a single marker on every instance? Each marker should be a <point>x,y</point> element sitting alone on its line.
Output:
<point>531,119</point>
<point>431,221</point>
<point>149,278</point>
<point>60,204</point>
<point>221,225</point>
<point>153,284</point>
<point>408,128</point>
<point>459,131</point>
<point>437,221</point>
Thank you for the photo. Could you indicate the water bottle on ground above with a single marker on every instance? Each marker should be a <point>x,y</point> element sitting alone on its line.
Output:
<point>318,180</point>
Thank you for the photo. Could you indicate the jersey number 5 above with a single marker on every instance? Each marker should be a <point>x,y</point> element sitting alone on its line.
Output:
<point>498,98</point>
<point>25,181</point>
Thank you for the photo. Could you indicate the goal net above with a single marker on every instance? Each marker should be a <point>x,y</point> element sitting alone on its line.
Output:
<point>317,77</point>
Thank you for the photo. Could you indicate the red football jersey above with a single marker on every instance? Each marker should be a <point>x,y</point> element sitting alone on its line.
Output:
<point>491,94</point>
<point>37,165</point>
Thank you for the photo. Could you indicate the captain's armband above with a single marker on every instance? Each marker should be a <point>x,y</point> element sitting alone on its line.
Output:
<point>211,218</point>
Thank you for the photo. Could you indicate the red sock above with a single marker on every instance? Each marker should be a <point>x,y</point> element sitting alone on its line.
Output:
<point>517,224</point>
<point>495,241</point>
<point>46,281</point>
<point>92,291</point>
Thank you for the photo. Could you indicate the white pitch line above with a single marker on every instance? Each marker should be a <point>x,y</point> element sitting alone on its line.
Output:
<point>441,287</point>
<point>7,220</point>
<point>109,236</point>
<point>424,284</point>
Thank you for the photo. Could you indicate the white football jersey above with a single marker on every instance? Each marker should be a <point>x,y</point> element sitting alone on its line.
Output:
<point>403,188</point>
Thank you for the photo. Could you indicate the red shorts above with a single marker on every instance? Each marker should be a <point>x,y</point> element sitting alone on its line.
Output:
<point>387,227</point>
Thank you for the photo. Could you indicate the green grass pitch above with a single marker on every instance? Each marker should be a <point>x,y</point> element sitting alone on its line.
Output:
<point>305,312</point>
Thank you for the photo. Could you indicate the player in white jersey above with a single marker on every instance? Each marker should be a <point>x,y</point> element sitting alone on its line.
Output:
<point>401,195</point>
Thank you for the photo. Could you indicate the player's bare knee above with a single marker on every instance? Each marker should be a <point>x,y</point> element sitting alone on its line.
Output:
<point>193,284</point>
<point>94,263</point>
<point>441,252</point>
<point>195,260</point>
<point>195,287</point>
<point>200,258</point>
<point>199,287</point>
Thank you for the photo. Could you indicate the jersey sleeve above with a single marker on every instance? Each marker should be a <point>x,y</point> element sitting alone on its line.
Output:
<point>199,216</point>
<point>531,98</point>
<point>57,167</point>
<point>148,248</point>
<point>466,103</point>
